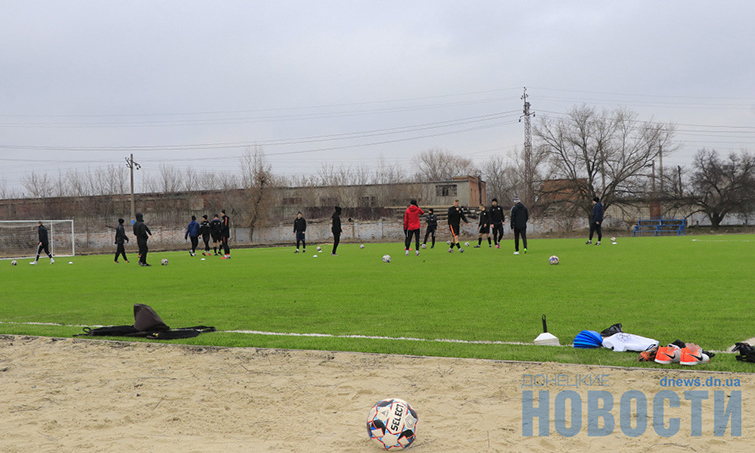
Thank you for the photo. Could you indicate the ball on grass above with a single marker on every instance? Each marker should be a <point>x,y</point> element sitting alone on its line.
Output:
<point>553,259</point>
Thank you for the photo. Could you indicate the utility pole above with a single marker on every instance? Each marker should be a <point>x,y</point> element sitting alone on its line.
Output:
<point>528,170</point>
<point>131,164</point>
<point>660,162</point>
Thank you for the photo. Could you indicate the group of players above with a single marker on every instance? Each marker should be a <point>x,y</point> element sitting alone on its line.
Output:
<point>218,229</point>
<point>492,218</point>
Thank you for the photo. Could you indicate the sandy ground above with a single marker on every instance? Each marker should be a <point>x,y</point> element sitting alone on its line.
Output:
<point>62,395</point>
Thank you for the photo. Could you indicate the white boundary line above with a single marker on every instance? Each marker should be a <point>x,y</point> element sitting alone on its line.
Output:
<point>374,337</point>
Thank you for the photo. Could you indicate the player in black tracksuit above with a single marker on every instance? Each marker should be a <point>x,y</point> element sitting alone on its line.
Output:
<point>496,220</point>
<point>44,243</point>
<point>484,226</point>
<point>300,227</point>
<point>120,237</point>
<point>336,229</point>
<point>519,217</point>
<point>142,233</point>
<point>455,216</point>
<point>216,228</point>
<point>432,225</point>
<point>204,230</point>
<point>597,220</point>
<point>225,234</point>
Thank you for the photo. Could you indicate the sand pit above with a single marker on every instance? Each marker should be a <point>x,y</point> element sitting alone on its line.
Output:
<point>62,395</point>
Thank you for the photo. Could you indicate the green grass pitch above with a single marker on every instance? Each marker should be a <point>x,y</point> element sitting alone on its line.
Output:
<point>698,289</point>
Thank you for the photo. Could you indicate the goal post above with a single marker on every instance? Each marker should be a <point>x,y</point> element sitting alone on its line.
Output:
<point>19,238</point>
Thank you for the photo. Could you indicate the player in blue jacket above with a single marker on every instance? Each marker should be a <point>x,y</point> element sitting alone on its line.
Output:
<point>192,231</point>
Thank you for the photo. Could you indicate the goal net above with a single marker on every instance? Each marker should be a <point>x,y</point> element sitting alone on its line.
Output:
<point>19,238</point>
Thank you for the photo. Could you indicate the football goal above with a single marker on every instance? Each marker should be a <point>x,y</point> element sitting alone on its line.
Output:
<point>19,238</point>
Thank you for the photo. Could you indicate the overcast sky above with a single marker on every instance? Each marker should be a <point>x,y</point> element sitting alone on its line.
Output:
<point>190,83</point>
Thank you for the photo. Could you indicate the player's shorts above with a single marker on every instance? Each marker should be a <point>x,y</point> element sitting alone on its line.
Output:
<point>454,229</point>
<point>484,229</point>
<point>216,237</point>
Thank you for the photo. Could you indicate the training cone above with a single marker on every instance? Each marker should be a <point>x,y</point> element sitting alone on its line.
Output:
<point>588,339</point>
<point>546,338</point>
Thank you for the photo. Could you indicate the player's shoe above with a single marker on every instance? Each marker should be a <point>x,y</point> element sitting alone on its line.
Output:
<point>461,250</point>
<point>516,253</point>
<point>668,354</point>
<point>116,262</point>
<point>406,252</point>
<point>33,262</point>
<point>693,354</point>
<point>226,257</point>
<point>598,243</point>
<point>525,251</point>
<point>588,242</point>
<point>416,252</point>
<point>126,261</point>
<point>451,250</point>
<point>498,246</point>
<point>304,250</point>
<point>648,355</point>
<point>296,251</point>
<point>333,254</point>
<point>490,245</point>
<point>477,246</point>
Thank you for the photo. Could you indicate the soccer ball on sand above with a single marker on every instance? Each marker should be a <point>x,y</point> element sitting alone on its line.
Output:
<point>553,259</point>
<point>164,261</point>
<point>386,258</point>
<point>13,263</point>
<point>392,423</point>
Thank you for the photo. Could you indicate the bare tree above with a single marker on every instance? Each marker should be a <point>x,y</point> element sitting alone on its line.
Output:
<point>501,178</point>
<point>440,165</point>
<point>722,186</point>
<point>39,185</point>
<point>257,180</point>
<point>167,181</point>
<point>602,153</point>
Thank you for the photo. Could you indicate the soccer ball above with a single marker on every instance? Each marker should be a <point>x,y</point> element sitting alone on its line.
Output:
<point>553,259</point>
<point>424,246</point>
<point>392,423</point>
<point>361,246</point>
<point>13,263</point>
<point>613,239</point>
<point>386,258</point>
<point>466,244</point>
<point>319,249</point>
<point>164,261</point>
<point>448,242</point>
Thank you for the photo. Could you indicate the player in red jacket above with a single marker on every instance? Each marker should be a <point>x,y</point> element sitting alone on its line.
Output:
<point>411,226</point>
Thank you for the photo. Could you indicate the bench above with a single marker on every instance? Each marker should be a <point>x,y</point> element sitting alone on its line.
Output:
<point>659,227</point>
